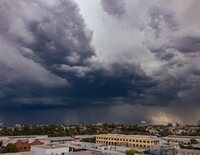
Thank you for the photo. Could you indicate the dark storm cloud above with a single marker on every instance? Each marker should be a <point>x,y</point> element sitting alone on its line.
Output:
<point>120,84</point>
<point>114,7</point>
<point>48,65</point>
<point>98,88</point>
<point>184,44</point>
<point>179,77</point>
<point>37,35</point>
<point>187,44</point>
<point>165,56</point>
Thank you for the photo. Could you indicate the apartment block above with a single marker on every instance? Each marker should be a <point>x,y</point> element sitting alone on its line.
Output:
<point>140,141</point>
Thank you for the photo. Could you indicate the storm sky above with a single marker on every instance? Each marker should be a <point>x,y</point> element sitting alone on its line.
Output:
<point>114,61</point>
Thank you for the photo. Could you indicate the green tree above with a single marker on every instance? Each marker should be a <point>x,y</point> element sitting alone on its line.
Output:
<point>165,132</point>
<point>10,148</point>
<point>89,140</point>
<point>193,141</point>
<point>133,152</point>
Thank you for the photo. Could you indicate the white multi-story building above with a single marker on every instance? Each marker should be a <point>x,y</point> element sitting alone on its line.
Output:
<point>49,150</point>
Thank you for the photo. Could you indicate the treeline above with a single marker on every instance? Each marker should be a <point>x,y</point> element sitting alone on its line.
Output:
<point>72,130</point>
<point>50,130</point>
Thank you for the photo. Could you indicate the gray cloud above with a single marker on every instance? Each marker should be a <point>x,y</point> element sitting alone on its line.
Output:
<point>162,17</point>
<point>36,35</point>
<point>187,44</point>
<point>148,61</point>
<point>15,67</point>
<point>114,7</point>
<point>164,42</point>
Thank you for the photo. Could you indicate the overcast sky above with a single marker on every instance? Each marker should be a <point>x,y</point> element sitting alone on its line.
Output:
<point>120,61</point>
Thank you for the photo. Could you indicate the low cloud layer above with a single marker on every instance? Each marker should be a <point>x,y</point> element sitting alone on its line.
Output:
<point>63,56</point>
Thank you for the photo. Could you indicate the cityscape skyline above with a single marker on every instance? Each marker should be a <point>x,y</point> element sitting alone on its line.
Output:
<point>109,61</point>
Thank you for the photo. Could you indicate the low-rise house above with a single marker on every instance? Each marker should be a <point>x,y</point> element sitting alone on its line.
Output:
<point>24,145</point>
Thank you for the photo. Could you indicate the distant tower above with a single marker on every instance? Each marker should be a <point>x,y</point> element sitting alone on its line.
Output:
<point>143,122</point>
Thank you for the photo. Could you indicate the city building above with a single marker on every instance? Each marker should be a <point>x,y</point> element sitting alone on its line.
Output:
<point>49,150</point>
<point>13,139</point>
<point>22,145</point>
<point>36,142</point>
<point>25,145</point>
<point>140,141</point>
<point>59,140</point>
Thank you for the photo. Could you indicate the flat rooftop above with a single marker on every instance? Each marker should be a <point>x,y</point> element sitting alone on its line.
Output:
<point>131,136</point>
<point>50,146</point>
